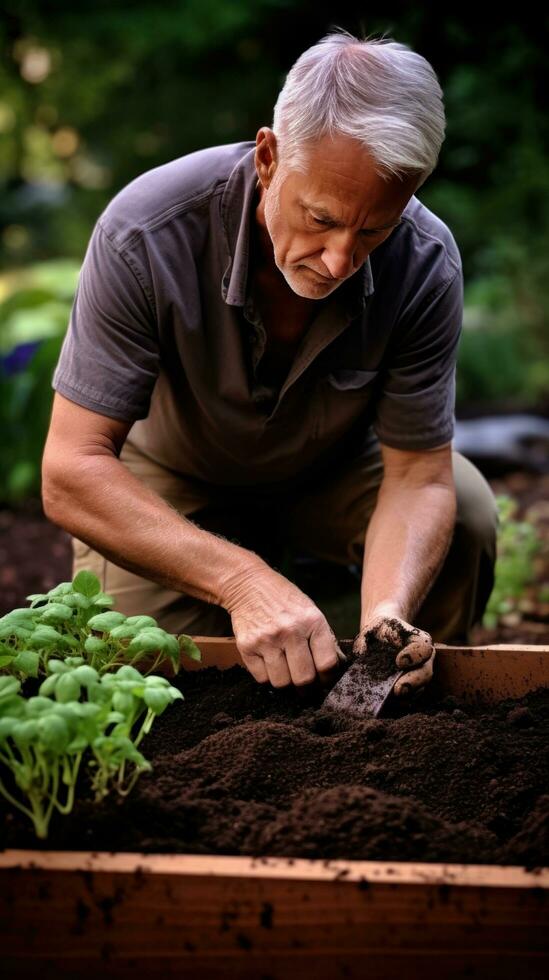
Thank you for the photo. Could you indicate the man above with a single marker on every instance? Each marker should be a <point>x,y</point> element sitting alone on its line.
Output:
<point>262,350</point>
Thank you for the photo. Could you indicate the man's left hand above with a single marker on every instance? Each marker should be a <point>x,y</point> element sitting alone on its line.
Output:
<point>413,648</point>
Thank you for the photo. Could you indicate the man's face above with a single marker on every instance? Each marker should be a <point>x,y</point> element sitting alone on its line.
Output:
<point>324,224</point>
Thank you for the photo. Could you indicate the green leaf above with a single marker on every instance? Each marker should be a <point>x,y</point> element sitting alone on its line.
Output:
<point>13,705</point>
<point>25,732</point>
<point>154,641</point>
<point>116,717</point>
<point>57,666</point>
<point>48,686</point>
<point>6,727</point>
<point>44,637</point>
<point>9,686</point>
<point>5,659</point>
<point>157,699</point>
<point>125,673</point>
<point>103,600</point>
<point>78,744</point>
<point>87,584</point>
<point>171,647</point>
<point>37,704</point>
<point>123,701</point>
<point>60,590</point>
<point>67,688</point>
<point>56,612</point>
<point>105,622</point>
<point>20,633</point>
<point>89,710</point>
<point>20,617</point>
<point>124,632</point>
<point>54,732</point>
<point>36,597</point>
<point>28,662</point>
<point>77,601</point>
<point>189,647</point>
<point>154,680</point>
<point>85,675</point>
<point>95,646</point>
<point>141,621</point>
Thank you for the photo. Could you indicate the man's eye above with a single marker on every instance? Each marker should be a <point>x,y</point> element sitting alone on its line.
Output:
<point>320,221</point>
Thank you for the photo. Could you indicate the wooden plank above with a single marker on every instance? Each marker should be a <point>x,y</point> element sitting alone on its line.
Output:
<point>491,673</point>
<point>301,869</point>
<point>277,920</point>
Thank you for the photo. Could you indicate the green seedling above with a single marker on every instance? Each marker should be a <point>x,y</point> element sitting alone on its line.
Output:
<point>79,717</point>
<point>517,545</point>
<point>75,619</point>
<point>136,701</point>
<point>40,745</point>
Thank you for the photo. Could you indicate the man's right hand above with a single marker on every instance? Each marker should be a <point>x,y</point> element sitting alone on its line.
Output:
<point>280,634</point>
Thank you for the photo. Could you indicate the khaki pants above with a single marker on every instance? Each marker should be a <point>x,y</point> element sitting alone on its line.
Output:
<point>327,520</point>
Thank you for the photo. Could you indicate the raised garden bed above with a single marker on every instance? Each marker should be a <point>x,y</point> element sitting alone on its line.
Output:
<point>240,769</point>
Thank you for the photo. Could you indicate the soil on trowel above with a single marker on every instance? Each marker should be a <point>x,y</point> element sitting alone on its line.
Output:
<point>239,768</point>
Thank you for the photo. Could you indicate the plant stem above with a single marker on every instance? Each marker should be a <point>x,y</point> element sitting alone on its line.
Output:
<point>145,727</point>
<point>127,789</point>
<point>11,799</point>
<point>69,802</point>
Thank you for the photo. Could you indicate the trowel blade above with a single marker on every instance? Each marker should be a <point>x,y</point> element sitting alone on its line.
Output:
<point>357,694</point>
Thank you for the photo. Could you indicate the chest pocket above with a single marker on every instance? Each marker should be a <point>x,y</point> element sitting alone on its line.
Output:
<point>344,395</point>
<point>351,382</point>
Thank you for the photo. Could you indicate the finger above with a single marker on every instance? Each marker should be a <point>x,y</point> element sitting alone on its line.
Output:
<point>327,678</point>
<point>278,670</point>
<point>381,630</point>
<point>417,651</point>
<point>324,648</point>
<point>300,662</point>
<point>359,645</point>
<point>256,667</point>
<point>414,679</point>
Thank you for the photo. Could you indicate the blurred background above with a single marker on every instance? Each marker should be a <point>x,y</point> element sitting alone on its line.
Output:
<point>93,94</point>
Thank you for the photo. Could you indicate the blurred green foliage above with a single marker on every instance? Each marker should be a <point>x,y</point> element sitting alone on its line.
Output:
<point>34,312</point>
<point>93,94</point>
<point>518,544</point>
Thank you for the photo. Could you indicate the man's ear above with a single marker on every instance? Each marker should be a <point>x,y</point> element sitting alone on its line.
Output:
<point>266,155</point>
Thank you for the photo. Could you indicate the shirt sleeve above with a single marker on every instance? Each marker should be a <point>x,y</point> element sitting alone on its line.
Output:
<point>415,407</point>
<point>109,360</point>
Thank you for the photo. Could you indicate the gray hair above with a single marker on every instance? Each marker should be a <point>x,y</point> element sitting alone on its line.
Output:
<point>376,91</point>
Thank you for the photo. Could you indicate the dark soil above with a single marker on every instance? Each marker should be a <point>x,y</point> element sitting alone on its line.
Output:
<point>242,769</point>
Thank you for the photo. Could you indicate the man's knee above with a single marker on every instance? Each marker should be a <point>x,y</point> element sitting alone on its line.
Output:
<point>477,513</point>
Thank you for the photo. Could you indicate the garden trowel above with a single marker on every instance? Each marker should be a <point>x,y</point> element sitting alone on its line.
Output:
<point>365,686</point>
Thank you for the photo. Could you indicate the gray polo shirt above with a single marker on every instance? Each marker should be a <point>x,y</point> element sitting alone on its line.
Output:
<point>164,333</point>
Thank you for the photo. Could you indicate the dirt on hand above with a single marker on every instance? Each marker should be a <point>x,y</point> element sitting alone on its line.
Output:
<point>381,645</point>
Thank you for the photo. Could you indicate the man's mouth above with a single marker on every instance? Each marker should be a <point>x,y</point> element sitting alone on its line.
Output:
<point>319,274</point>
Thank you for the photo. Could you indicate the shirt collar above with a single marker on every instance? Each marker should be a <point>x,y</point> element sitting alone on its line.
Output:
<point>236,215</point>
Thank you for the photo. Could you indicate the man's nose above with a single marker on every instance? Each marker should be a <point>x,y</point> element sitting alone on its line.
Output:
<point>339,257</point>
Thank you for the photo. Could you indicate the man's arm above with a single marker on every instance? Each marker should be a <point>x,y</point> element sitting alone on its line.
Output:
<point>408,536</point>
<point>282,636</point>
